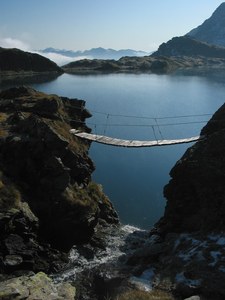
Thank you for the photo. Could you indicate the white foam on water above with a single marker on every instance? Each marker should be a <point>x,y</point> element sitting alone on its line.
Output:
<point>119,243</point>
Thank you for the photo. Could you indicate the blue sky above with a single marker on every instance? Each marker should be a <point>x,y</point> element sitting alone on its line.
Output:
<point>84,24</point>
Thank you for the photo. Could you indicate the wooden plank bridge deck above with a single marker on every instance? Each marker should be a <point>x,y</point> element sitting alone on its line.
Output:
<point>131,143</point>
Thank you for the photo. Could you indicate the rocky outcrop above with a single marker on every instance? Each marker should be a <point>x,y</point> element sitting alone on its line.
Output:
<point>195,194</point>
<point>185,250</point>
<point>38,286</point>
<point>185,264</point>
<point>47,198</point>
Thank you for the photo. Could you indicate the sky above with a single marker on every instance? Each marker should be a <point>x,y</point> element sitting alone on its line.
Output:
<point>85,24</point>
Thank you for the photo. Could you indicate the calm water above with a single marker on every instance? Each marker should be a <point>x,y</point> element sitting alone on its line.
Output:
<point>134,178</point>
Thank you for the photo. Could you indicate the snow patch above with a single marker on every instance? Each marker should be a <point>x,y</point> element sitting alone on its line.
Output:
<point>215,255</point>
<point>221,241</point>
<point>180,278</point>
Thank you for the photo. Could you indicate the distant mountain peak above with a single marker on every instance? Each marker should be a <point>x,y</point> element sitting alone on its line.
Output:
<point>212,30</point>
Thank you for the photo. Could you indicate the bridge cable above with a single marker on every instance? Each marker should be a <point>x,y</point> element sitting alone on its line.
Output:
<point>160,133</point>
<point>152,118</point>
<point>146,125</point>
<point>153,129</point>
<point>106,125</point>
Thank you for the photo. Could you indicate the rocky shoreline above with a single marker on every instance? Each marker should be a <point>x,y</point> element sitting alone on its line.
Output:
<point>148,64</point>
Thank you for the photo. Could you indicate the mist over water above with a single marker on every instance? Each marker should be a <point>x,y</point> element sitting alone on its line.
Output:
<point>134,178</point>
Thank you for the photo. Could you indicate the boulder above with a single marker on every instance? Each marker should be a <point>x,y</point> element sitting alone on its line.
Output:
<point>38,286</point>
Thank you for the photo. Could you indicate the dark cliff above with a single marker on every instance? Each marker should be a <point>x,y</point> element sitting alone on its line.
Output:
<point>16,60</point>
<point>186,248</point>
<point>195,194</point>
<point>46,192</point>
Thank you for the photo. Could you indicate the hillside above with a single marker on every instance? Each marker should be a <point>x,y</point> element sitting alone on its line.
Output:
<point>15,60</point>
<point>212,30</point>
<point>156,63</point>
<point>186,46</point>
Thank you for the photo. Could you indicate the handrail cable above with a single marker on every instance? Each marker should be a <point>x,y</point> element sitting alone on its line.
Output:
<point>147,125</point>
<point>152,118</point>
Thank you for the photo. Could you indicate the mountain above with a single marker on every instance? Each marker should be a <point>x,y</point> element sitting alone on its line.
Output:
<point>64,52</point>
<point>207,40</point>
<point>17,60</point>
<point>212,30</point>
<point>95,53</point>
<point>186,46</point>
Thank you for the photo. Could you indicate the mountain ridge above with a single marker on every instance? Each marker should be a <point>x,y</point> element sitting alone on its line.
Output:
<point>212,30</point>
<point>96,53</point>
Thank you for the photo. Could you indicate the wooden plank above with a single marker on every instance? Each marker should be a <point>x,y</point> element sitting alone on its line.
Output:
<point>130,143</point>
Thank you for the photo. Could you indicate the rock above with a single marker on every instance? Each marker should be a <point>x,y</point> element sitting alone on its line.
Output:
<point>193,298</point>
<point>107,283</point>
<point>39,286</point>
<point>195,194</point>
<point>193,223</point>
<point>20,247</point>
<point>160,66</point>
<point>14,244</point>
<point>13,260</point>
<point>147,253</point>
<point>66,291</point>
<point>47,195</point>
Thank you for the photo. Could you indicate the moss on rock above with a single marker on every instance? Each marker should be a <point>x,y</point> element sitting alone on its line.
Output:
<point>38,286</point>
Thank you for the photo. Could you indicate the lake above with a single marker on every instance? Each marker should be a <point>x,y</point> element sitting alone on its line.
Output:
<point>143,107</point>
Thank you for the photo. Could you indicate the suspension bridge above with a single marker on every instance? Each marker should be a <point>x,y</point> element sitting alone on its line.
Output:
<point>104,139</point>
